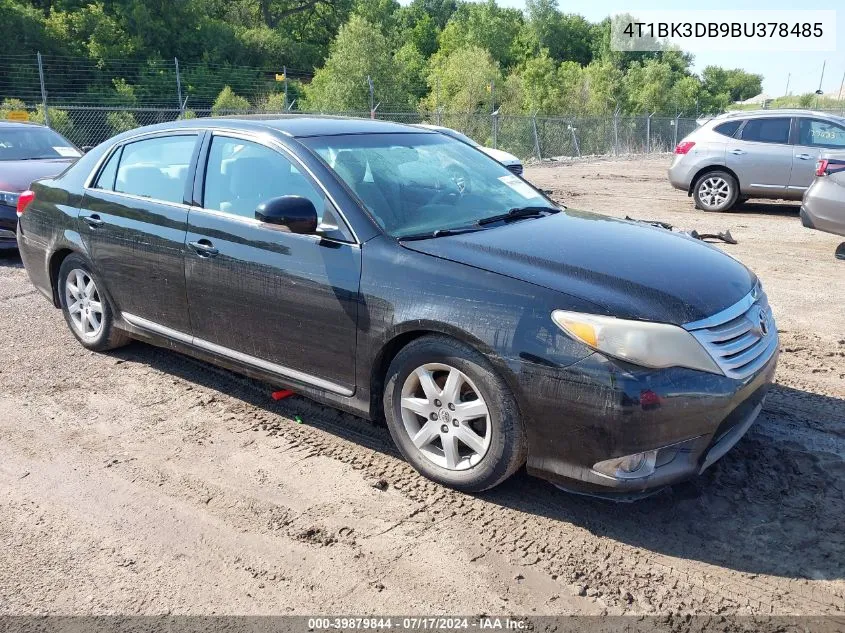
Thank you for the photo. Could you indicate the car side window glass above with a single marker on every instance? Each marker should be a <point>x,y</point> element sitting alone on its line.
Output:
<point>106,178</point>
<point>728,129</point>
<point>156,168</point>
<point>767,130</point>
<point>818,133</point>
<point>241,174</point>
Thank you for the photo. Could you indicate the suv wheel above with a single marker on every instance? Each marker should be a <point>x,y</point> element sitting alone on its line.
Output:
<point>86,309</point>
<point>452,417</point>
<point>715,191</point>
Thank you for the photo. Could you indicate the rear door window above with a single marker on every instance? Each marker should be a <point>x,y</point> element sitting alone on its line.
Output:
<point>818,133</point>
<point>767,130</point>
<point>106,178</point>
<point>156,168</point>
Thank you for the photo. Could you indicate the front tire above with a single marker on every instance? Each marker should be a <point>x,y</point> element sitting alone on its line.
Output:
<point>452,416</point>
<point>715,191</point>
<point>86,308</point>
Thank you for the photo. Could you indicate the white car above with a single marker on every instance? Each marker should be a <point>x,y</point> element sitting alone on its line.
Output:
<point>510,161</point>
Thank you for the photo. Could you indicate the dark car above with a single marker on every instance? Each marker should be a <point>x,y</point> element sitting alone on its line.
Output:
<point>27,152</point>
<point>351,261</point>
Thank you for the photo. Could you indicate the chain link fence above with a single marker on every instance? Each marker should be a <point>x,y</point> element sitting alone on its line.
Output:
<point>528,137</point>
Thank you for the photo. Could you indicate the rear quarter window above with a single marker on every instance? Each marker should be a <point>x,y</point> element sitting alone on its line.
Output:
<point>728,129</point>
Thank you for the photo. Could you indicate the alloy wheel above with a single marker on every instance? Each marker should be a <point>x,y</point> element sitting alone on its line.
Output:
<point>714,192</point>
<point>84,303</point>
<point>445,416</point>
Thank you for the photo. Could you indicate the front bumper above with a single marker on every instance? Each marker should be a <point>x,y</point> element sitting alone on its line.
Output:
<point>8,228</point>
<point>599,409</point>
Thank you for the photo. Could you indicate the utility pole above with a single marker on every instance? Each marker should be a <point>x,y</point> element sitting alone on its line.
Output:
<point>788,77</point>
<point>841,85</point>
<point>179,89</point>
<point>43,92</point>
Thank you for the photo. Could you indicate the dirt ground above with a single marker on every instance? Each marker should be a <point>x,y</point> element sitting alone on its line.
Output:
<point>140,481</point>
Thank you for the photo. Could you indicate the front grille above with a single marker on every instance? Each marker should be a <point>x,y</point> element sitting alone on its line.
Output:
<point>742,338</point>
<point>517,169</point>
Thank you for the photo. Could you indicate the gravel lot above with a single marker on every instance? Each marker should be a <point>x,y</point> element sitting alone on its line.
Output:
<point>141,481</point>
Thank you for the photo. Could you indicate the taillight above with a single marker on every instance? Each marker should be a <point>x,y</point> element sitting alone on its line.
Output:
<point>684,146</point>
<point>821,167</point>
<point>24,201</point>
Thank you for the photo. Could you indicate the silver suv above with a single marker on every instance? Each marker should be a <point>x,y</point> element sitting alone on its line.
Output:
<point>753,154</point>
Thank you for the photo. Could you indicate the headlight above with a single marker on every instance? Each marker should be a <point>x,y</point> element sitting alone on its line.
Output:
<point>643,343</point>
<point>9,198</point>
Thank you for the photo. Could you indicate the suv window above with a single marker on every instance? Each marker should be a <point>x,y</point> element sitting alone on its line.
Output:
<point>729,128</point>
<point>156,168</point>
<point>818,133</point>
<point>240,175</point>
<point>768,130</point>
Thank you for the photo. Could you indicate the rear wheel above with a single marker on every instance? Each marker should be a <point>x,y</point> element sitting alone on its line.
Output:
<point>715,191</point>
<point>452,417</point>
<point>86,309</point>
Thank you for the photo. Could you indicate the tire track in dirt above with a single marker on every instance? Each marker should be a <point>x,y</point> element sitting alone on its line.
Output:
<point>527,520</point>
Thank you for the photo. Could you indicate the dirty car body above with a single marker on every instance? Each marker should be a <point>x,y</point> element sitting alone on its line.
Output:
<point>329,313</point>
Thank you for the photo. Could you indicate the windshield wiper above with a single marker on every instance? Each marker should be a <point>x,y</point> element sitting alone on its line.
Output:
<point>516,213</point>
<point>438,233</point>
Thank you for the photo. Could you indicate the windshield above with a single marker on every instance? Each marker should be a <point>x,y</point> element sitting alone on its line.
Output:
<point>458,135</point>
<point>420,183</point>
<point>33,143</point>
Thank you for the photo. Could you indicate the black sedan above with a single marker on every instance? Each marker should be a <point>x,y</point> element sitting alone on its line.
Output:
<point>27,152</point>
<point>391,271</point>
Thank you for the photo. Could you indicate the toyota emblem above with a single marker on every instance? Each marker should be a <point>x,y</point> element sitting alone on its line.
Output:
<point>764,322</point>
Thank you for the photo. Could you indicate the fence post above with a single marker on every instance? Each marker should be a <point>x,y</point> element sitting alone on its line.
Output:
<point>616,132</point>
<point>648,134</point>
<point>536,137</point>
<point>43,91</point>
<point>372,97</point>
<point>437,99</point>
<point>572,129</point>
<point>677,120</point>
<point>179,89</point>
<point>494,114</point>
<point>285,75</point>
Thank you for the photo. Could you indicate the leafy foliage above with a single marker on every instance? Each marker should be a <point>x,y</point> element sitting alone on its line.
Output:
<point>448,54</point>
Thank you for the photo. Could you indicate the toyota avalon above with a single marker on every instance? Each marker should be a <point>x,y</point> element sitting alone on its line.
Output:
<point>397,273</point>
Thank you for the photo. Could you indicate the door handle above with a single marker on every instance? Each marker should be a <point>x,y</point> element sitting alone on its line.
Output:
<point>737,152</point>
<point>204,248</point>
<point>93,220</point>
<point>803,156</point>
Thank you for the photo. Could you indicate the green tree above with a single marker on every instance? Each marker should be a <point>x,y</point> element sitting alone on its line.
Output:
<point>360,51</point>
<point>483,25</point>
<point>227,102</point>
<point>464,78</point>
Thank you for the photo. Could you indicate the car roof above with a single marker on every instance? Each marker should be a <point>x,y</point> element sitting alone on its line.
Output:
<point>293,125</point>
<point>6,124</point>
<point>779,112</point>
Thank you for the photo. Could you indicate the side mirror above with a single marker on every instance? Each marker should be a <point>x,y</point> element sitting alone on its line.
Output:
<point>840,251</point>
<point>86,148</point>
<point>294,212</point>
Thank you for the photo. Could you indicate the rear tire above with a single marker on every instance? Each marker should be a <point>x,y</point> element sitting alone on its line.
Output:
<point>452,416</point>
<point>86,308</point>
<point>715,191</point>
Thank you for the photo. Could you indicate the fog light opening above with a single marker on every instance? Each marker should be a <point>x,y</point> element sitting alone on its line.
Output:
<point>633,466</point>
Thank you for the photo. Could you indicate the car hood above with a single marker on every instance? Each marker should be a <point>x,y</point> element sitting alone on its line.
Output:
<point>17,175</point>
<point>500,156</point>
<point>633,271</point>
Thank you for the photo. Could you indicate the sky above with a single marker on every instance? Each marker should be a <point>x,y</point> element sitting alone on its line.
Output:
<point>803,69</point>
